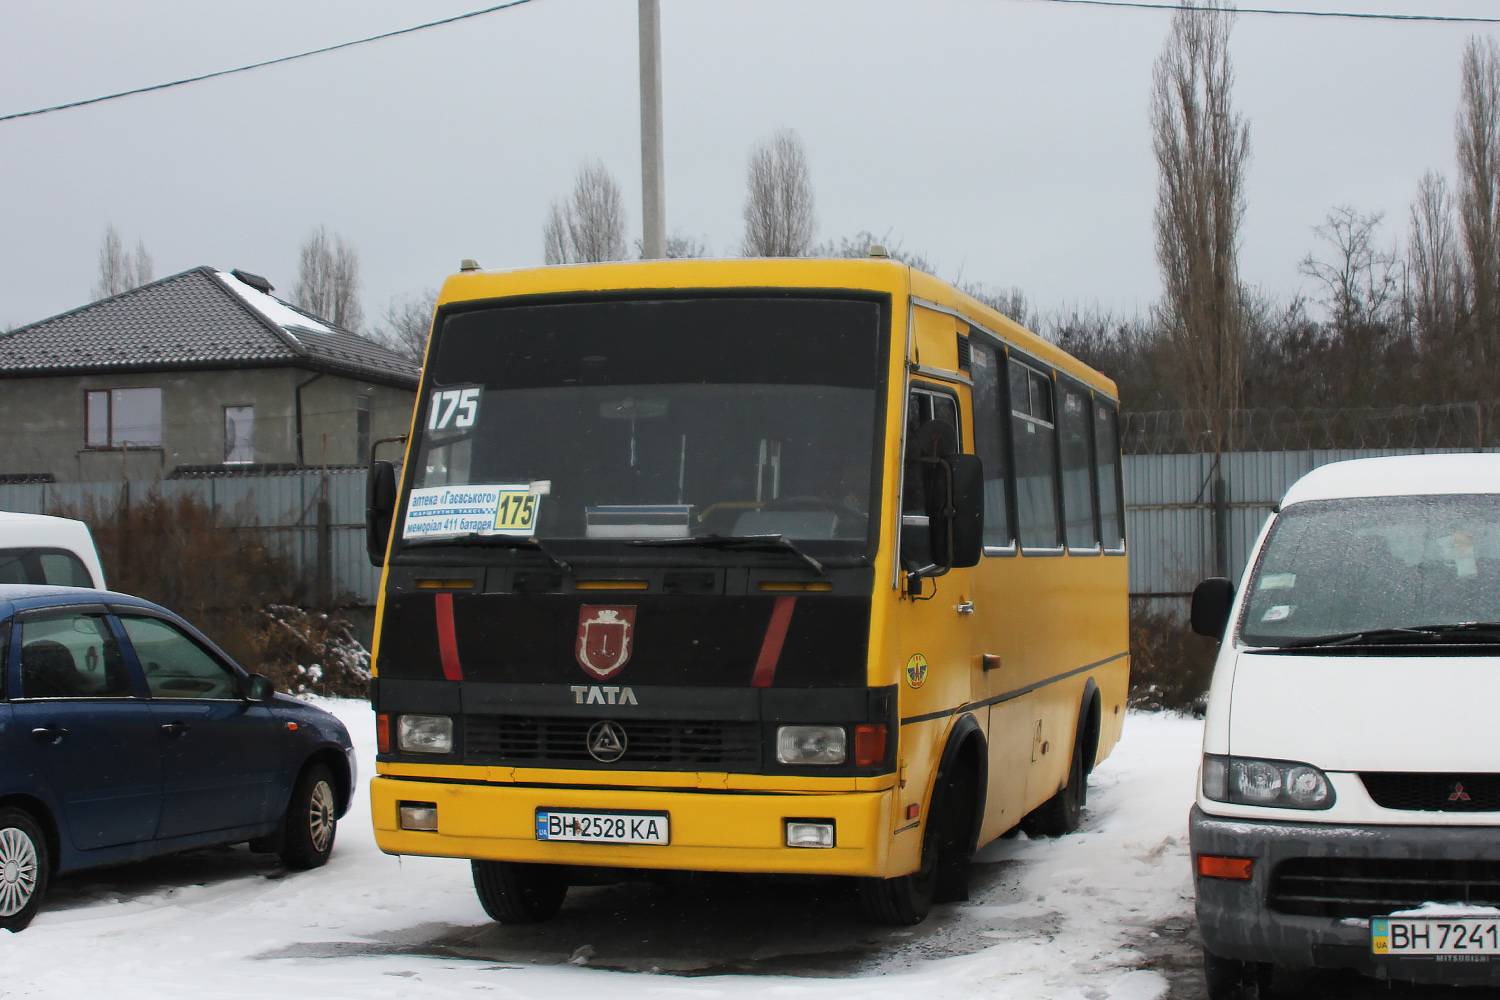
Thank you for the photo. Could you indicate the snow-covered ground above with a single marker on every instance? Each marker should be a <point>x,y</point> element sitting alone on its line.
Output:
<point>230,924</point>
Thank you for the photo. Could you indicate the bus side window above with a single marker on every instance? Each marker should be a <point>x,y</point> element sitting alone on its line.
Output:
<point>1107,461</point>
<point>1077,450</point>
<point>1034,434</point>
<point>989,445</point>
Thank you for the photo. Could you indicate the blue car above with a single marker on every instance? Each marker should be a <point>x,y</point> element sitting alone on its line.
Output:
<point>126,734</point>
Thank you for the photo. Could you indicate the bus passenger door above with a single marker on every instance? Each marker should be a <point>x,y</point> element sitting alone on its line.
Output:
<point>999,623</point>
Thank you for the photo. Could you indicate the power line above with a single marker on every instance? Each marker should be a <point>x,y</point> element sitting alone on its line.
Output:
<point>267,62</point>
<point>1285,13</point>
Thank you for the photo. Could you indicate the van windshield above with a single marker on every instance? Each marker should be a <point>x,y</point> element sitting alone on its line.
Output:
<point>649,420</point>
<point>1339,568</point>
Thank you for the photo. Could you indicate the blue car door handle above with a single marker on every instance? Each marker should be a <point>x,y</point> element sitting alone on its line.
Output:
<point>49,734</point>
<point>175,728</point>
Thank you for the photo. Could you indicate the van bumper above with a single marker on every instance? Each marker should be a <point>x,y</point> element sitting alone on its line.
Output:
<point>709,831</point>
<point>1236,920</point>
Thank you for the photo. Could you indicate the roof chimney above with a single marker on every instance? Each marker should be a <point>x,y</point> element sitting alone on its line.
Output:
<point>255,281</point>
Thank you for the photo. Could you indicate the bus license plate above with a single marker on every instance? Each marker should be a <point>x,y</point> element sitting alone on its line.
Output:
<point>1435,937</point>
<point>603,827</point>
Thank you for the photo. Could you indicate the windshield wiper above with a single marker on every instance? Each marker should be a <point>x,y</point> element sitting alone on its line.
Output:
<point>747,543</point>
<point>1404,633</point>
<point>474,538</point>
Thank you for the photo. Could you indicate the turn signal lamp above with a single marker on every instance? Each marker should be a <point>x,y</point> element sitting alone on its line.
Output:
<point>1214,866</point>
<point>869,745</point>
<point>383,733</point>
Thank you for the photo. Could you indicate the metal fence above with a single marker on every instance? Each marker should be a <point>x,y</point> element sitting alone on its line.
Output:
<point>1179,530</point>
<point>326,542</point>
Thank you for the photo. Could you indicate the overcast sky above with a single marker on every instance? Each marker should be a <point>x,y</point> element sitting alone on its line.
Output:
<point>1007,140</point>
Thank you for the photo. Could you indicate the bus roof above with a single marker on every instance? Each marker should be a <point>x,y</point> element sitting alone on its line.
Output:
<point>876,274</point>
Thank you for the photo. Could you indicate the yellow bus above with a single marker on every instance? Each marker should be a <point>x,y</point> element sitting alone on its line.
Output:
<point>760,566</point>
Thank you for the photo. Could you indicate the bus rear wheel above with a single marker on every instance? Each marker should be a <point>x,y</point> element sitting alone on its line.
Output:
<point>516,893</point>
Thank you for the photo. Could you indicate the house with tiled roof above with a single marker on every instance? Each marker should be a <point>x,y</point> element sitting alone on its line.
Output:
<point>204,372</point>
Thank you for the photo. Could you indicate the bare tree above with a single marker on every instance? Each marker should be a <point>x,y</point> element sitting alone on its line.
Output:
<point>1437,295</point>
<point>407,323</point>
<point>120,271</point>
<point>1202,146</point>
<point>779,217</point>
<point>590,226</point>
<point>328,280</point>
<point>1359,277</point>
<point>1478,129</point>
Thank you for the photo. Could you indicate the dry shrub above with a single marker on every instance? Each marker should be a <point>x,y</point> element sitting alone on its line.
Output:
<point>1170,664</point>
<point>305,652</point>
<point>216,570</point>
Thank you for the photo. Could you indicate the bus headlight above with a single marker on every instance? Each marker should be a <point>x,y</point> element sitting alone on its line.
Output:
<point>1277,783</point>
<point>424,734</point>
<point>811,745</point>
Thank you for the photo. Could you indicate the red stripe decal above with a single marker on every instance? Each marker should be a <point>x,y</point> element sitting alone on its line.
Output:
<point>770,649</point>
<point>447,644</point>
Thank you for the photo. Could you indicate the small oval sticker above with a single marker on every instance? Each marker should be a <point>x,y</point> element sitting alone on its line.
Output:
<point>916,670</point>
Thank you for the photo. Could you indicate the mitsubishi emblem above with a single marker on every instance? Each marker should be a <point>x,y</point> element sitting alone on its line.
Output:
<point>1459,795</point>
<point>606,742</point>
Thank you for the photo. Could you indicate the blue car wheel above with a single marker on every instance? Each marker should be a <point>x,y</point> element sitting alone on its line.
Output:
<point>24,866</point>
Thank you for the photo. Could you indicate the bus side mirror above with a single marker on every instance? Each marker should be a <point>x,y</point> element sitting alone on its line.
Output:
<point>955,512</point>
<point>380,509</point>
<point>1211,602</point>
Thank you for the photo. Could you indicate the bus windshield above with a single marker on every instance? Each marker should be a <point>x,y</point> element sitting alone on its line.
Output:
<point>1372,569</point>
<point>660,418</point>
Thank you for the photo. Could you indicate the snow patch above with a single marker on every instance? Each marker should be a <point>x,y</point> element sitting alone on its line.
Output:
<point>1431,909</point>
<point>272,308</point>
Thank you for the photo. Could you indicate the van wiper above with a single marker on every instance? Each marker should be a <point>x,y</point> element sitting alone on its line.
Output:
<point>744,543</point>
<point>474,538</point>
<point>1400,634</point>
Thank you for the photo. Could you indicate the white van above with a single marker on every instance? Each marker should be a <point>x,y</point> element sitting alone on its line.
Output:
<point>1348,812</point>
<point>35,548</point>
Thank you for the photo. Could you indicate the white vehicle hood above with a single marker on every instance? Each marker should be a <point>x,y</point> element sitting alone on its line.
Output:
<point>1367,713</point>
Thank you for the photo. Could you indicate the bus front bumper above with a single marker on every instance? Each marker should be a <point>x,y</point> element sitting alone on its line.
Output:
<point>723,832</point>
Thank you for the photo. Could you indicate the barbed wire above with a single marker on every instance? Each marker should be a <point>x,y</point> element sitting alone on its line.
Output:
<point>1468,426</point>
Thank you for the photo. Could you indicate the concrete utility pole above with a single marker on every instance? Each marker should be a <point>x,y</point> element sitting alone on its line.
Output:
<point>653,183</point>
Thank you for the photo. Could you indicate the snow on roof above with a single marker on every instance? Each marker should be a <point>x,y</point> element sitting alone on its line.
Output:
<point>1398,475</point>
<point>270,307</point>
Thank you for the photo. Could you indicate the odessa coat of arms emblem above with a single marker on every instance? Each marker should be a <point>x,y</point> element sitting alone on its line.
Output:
<point>605,637</point>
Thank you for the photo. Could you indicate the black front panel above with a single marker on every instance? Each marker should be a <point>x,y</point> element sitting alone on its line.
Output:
<point>708,641</point>
<point>1433,792</point>
<point>665,728</point>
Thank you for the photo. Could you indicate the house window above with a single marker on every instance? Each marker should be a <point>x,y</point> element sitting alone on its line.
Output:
<point>362,428</point>
<point>239,435</point>
<point>124,418</point>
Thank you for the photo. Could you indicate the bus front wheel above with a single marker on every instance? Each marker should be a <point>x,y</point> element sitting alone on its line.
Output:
<point>516,893</point>
<point>901,901</point>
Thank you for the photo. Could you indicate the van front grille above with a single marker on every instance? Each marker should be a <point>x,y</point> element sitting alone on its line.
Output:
<point>649,745</point>
<point>1367,887</point>
<point>1433,792</point>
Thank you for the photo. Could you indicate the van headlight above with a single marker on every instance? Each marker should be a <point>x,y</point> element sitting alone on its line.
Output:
<point>424,734</point>
<point>1278,783</point>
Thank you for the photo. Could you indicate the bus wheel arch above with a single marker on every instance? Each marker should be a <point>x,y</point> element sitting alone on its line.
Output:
<point>950,833</point>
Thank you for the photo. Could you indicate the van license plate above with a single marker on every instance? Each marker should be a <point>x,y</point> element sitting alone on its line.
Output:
<point>603,827</point>
<point>1436,937</point>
